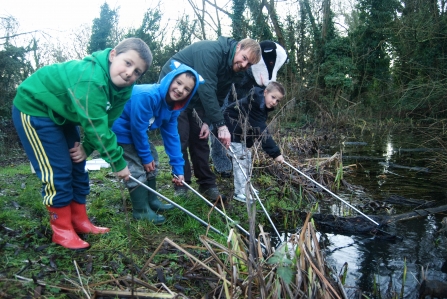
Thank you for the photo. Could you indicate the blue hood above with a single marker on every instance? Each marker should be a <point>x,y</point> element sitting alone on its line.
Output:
<point>177,69</point>
<point>147,109</point>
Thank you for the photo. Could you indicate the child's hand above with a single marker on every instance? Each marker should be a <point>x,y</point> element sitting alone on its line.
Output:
<point>280,158</point>
<point>149,167</point>
<point>178,180</point>
<point>77,153</point>
<point>204,131</point>
<point>124,174</point>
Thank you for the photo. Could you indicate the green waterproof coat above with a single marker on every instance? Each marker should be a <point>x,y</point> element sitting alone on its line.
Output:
<point>79,92</point>
<point>213,60</point>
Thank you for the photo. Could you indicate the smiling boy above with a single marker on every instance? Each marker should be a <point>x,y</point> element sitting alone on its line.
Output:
<point>48,109</point>
<point>154,106</point>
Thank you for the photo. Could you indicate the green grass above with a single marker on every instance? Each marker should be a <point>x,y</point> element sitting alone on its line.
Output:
<point>25,233</point>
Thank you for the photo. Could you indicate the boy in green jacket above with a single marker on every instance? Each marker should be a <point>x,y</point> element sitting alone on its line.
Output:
<point>48,109</point>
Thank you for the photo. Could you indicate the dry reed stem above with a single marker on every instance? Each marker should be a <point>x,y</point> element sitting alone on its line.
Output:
<point>229,264</point>
<point>320,275</point>
<point>39,282</point>
<point>134,294</point>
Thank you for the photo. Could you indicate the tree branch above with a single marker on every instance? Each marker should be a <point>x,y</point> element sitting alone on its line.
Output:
<point>14,35</point>
<point>218,8</point>
<point>274,19</point>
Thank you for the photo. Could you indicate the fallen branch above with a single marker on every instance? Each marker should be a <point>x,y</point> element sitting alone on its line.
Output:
<point>415,214</point>
<point>134,294</point>
<point>39,282</point>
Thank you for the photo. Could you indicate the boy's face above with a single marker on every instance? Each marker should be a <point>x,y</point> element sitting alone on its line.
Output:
<point>272,98</point>
<point>181,87</point>
<point>126,67</point>
<point>242,59</point>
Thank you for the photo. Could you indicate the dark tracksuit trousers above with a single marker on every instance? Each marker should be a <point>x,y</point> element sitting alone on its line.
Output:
<point>47,147</point>
<point>199,150</point>
<point>136,166</point>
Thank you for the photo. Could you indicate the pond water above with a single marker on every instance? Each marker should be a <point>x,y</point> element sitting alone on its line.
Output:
<point>396,165</point>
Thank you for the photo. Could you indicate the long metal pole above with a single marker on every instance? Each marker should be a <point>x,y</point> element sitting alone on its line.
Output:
<point>330,192</point>
<point>251,187</point>
<point>216,208</point>
<point>176,205</point>
<point>254,192</point>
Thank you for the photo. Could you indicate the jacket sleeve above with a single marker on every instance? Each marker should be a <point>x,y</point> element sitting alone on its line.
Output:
<point>258,119</point>
<point>93,116</point>
<point>269,145</point>
<point>142,112</point>
<point>233,114</point>
<point>207,65</point>
<point>171,141</point>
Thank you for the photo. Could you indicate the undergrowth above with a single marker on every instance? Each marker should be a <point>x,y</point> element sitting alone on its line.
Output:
<point>29,256</point>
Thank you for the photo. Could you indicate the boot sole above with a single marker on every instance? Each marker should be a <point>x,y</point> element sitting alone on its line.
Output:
<point>154,222</point>
<point>75,249</point>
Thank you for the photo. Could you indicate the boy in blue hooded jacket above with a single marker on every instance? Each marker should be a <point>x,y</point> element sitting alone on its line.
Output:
<point>154,106</point>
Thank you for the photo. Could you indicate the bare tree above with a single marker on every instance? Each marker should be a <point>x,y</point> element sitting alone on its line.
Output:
<point>270,5</point>
<point>200,14</point>
<point>80,38</point>
<point>208,22</point>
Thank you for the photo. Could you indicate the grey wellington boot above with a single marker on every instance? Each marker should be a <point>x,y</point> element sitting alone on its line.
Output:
<point>154,202</point>
<point>140,206</point>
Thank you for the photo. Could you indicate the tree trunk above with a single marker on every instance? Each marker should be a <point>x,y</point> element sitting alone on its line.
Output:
<point>270,5</point>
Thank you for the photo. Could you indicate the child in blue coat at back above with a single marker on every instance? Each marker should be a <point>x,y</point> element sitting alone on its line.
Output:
<point>154,106</point>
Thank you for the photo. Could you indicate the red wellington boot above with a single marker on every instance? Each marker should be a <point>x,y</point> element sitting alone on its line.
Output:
<point>63,232</point>
<point>81,223</point>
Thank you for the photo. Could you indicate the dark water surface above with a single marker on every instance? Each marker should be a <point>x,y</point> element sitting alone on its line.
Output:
<point>372,259</point>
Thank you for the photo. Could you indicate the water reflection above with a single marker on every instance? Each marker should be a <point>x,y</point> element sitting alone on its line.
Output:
<point>373,261</point>
<point>370,259</point>
<point>389,148</point>
<point>388,153</point>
